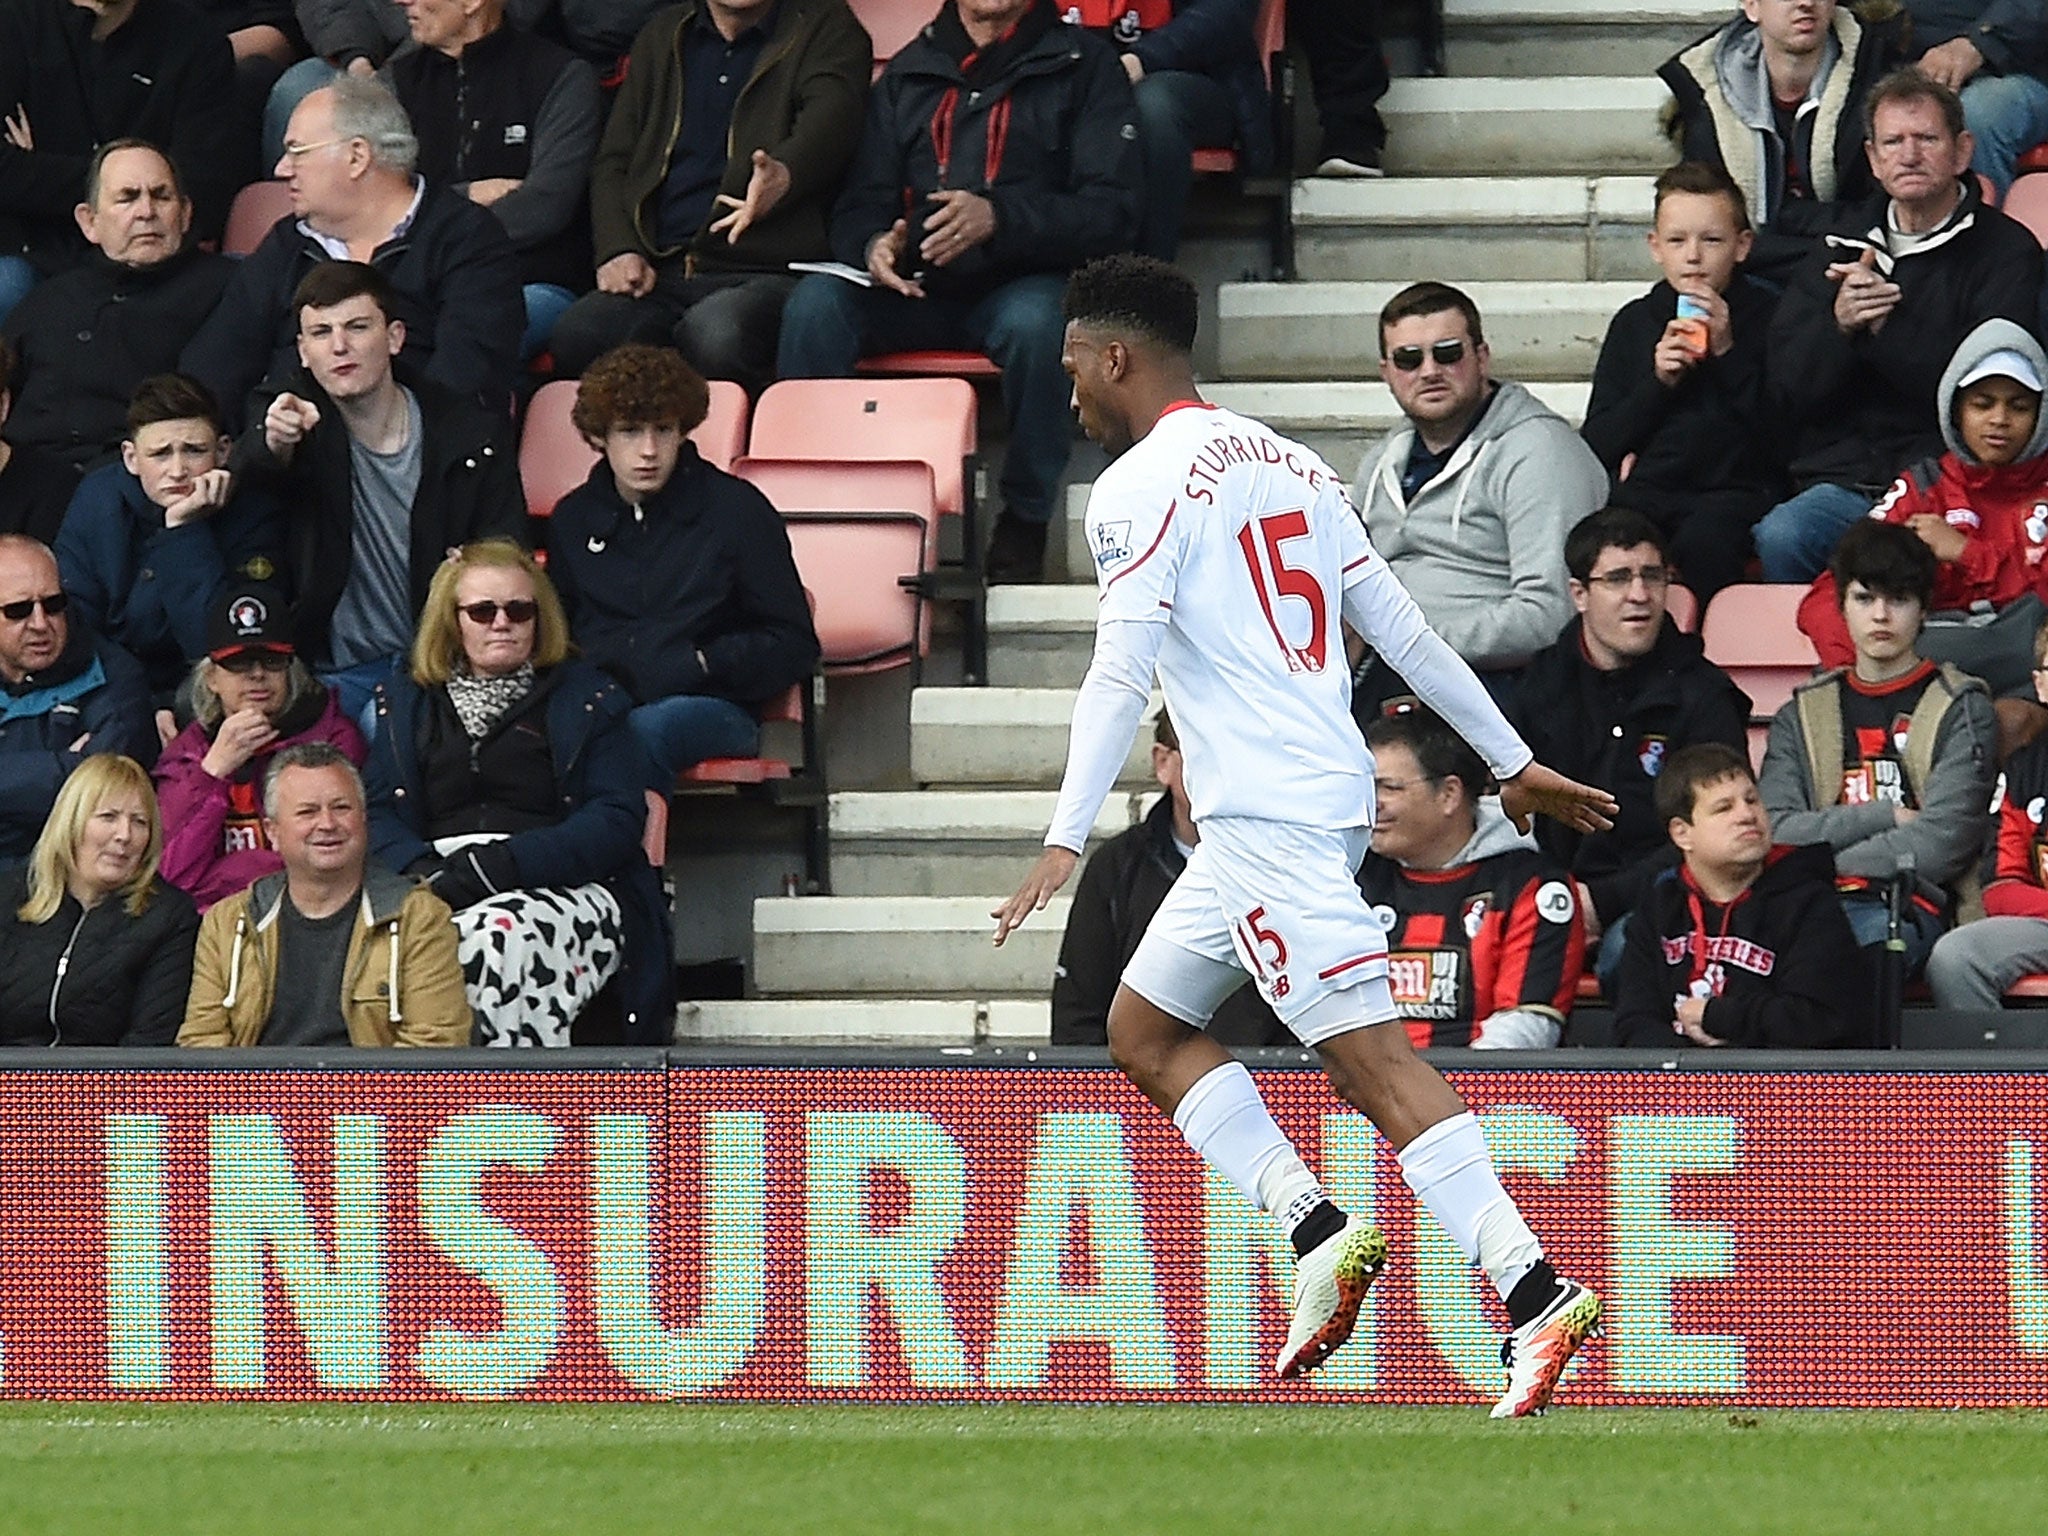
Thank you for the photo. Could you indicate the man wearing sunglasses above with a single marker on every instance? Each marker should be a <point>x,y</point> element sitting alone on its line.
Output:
<point>1469,502</point>
<point>64,694</point>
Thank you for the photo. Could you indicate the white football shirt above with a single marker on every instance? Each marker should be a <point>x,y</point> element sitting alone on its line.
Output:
<point>1228,556</point>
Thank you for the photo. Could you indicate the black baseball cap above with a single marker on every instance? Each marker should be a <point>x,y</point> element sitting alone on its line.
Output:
<point>249,618</point>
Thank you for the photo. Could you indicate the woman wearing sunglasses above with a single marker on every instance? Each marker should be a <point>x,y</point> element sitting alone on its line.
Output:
<point>504,772</point>
<point>252,697</point>
<point>95,949</point>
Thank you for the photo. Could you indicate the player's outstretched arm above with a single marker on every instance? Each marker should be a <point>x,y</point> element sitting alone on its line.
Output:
<point>1040,886</point>
<point>1541,791</point>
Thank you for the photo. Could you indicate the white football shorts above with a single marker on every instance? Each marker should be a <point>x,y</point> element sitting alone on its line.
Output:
<point>1277,901</point>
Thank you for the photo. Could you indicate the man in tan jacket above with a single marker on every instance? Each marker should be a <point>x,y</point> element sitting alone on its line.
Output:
<point>333,951</point>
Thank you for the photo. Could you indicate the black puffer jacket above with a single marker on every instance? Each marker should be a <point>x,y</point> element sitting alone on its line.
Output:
<point>117,979</point>
<point>1049,137</point>
<point>706,567</point>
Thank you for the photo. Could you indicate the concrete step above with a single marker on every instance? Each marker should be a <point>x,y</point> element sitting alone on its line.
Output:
<point>871,1021</point>
<point>1008,736</point>
<point>1494,125</point>
<point>900,946</point>
<point>1572,37</point>
<point>1474,228</point>
<point>1328,330</point>
<point>1042,637</point>
<point>951,842</point>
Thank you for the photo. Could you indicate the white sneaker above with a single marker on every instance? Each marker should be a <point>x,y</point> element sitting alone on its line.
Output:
<point>1339,167</point>
<point>1330,1282</point>
<point>1537,1352</point>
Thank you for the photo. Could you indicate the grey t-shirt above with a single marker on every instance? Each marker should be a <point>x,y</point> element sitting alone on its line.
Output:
<point>374,618</point>
<point>312,953</point>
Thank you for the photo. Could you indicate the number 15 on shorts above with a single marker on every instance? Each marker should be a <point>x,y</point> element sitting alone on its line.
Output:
<point>1264,950</point>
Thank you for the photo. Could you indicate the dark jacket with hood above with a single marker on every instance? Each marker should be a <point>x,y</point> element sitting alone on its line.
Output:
<point>1217,38</point>
<point>1864,405</point>
<point>469,490</point>
<point>2001,510</point>
<point>1778,964</point>
<point>1122,885</point>
<point>87,337</point>
<point>166,74</point>
<point>1616,730</point>
<point>564,774</point>
<point>93,689</point>
<point>103,977</point>
<point>1707,438</point>
<point>1041,123</point>
<point>703,565</point>
<point>1725,118</point>
<point>149,587</point>
<point>802,104</point>
<point>456,277</point>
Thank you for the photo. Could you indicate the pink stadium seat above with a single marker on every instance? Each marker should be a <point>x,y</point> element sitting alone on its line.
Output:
<point>1750,633</point>
<point>777,781</point>
<point>1683,607</point>
<point>2029,986</point>
<point>553,458</point>
<point>933,420</point>
<point>253,213</point>
<point>892,23</point>
<point>2027,201</point>
<point>859,533</point>
<point>1990,192</point>
<point>722,436</point>
<point>959,365</point>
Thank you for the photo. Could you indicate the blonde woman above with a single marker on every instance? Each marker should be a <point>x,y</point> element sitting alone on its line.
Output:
<point>503,771</point>
<point>95,949</point>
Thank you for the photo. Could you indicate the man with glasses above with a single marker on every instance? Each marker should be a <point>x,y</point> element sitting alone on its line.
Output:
<point>1469,502</point>
<point>64,694</point>
<point>349,161</point>
<point>384,478</point>
<point>1609,702</point>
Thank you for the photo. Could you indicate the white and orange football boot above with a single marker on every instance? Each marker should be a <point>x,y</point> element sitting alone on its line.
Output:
<point>1537,1352</point>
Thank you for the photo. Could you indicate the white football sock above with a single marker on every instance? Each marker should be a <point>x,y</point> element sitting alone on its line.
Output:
<point>1225,1121</point>
<point>1451,1172</point>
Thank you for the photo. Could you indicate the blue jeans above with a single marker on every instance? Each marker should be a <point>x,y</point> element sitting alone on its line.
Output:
<point>545,303</point>
<point>17,275</point>
<point>355,689</point>
<point>1607,964</point>
<point>1918,927</point>
<point>2008,115</point>
<point>686,729</point>
<point>1179,112</point>
<point>830,324</point>
<point>1796,537</point>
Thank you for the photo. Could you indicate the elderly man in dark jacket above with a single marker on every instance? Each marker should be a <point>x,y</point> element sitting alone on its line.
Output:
<point>64,693</point>
<point>717,169</point>
<point>1001,151</point>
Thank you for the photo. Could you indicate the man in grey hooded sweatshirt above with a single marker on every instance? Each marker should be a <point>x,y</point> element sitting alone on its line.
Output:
<point>1469,502</point>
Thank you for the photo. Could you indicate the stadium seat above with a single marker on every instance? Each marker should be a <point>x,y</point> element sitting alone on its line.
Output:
<point>959,365</point>
<point>1683,607</point>
<point>930,420</point>
<point>865,536</point>
<point>2035,159</point>
<point>2029,987</point>
<point>778,781</point>
<point>892,23</point>
<point>252,215</point>
<point>1989,191</point>
<point>553,458</point>
<point>2027,201</point>
<point>722,436</point>
<point>1750,633</point>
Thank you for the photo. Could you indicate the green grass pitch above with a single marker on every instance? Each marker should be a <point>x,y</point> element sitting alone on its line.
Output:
<point>509,1470</point>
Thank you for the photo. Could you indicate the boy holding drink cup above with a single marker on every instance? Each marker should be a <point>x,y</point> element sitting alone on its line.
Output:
<point>1677,411</point>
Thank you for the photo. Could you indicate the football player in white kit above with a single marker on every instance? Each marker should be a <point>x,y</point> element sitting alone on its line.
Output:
<point>1226,556</point>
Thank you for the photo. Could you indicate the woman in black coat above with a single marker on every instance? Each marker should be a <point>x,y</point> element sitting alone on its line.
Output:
<point>94,948</point>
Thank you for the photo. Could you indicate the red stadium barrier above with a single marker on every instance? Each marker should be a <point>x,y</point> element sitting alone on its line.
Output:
<point>964,1233</point>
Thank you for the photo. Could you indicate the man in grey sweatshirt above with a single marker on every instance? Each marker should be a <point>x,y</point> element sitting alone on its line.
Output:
<point>1469,502</point>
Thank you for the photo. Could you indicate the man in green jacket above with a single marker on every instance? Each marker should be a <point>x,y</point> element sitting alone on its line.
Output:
<point>718,168</point>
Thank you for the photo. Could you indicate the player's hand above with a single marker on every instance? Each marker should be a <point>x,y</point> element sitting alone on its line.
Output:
<point>1946,542</point>
<point>766,184</point>
<point>1541,791</point>
<point>1046,877</point>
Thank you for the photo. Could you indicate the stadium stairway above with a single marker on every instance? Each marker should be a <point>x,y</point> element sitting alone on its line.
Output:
<point>1524,175</point>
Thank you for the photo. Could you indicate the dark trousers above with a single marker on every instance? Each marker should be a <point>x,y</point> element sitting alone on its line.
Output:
<point>1179,112</point>
<point>830,324</point>
<point>725,324</point>
<point>1346,70</point>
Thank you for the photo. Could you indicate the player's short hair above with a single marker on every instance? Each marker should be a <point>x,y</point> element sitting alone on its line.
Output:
<point>172,397</point>
<point>1439,751</point>
<point>1691,769</point>
<point>1909,85</point>
<point>336,282</point>
<point>1890,559</point>
<point>1430,299</point>
<point>1138,294</point>
<point>1703,180</point>
<point>1609,528</point>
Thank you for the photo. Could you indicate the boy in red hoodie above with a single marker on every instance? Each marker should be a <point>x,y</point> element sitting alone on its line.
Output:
<point>1982,507</point>
<point>1973,964</point>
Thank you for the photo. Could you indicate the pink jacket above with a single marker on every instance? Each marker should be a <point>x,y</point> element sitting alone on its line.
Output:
<point>199,811</point>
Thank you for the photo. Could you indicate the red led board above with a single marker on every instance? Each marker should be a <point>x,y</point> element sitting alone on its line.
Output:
<point>976,1233</point>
